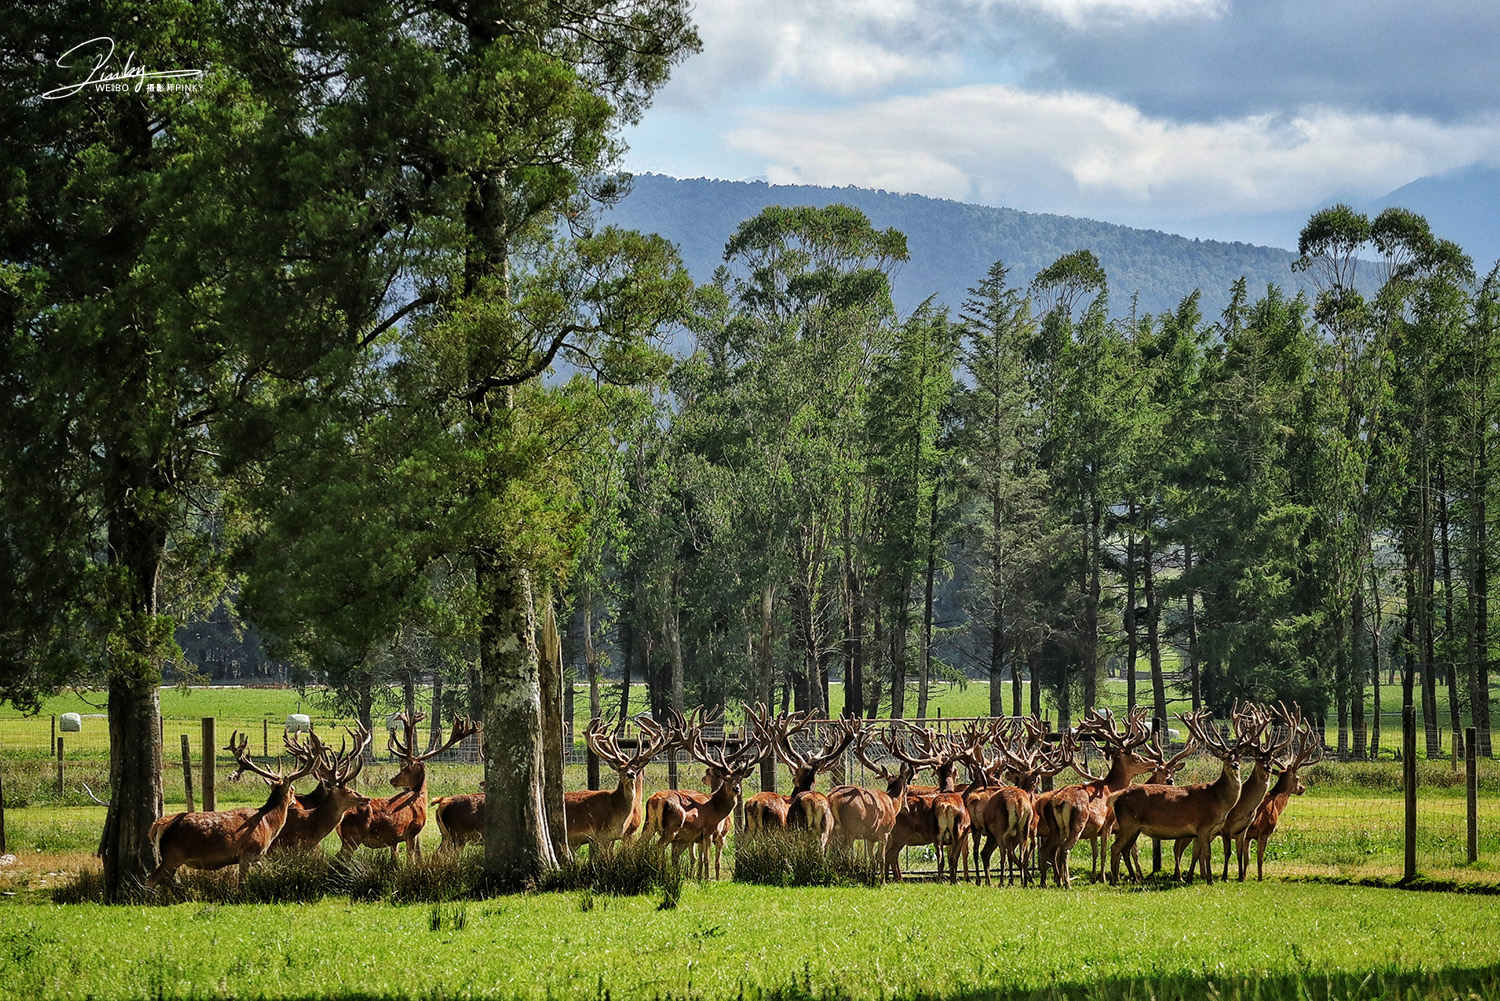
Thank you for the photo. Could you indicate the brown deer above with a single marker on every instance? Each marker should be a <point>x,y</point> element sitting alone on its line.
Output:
<point>388,821</point>
<point>868,815</point>
<point>682,825</point>
<point>1007,817</point>
<point>1162,811</point>
<point>311,818</point>
<point>767,811</point>
<point>1288,784</point>
<point>807,809</point>
<point>1078,812</point>
<point>606,816</point>
<point>220,838</point>
<point>599,816</point>
<point>931,815</point>
<point>1264,757</point>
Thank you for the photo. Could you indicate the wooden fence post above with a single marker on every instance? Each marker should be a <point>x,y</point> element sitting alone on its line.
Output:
<point>187,772</point>
<point>1409,776</point>
<point>1471,766</point>
<point>265,739</point>
<point>59,764</point>
<point>2,814</point>
<point>210,748</point>
<point>52,744</point>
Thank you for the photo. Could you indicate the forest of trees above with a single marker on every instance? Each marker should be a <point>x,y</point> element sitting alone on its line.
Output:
<point>332,350</point>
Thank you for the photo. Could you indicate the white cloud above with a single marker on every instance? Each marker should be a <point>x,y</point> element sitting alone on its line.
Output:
<point>860,47</point>
<point>1090,155</point>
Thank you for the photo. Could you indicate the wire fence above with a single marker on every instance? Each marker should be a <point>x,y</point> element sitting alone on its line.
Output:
<point>1351,822</point>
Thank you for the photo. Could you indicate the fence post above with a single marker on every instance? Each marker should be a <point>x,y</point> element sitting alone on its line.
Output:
<point>210,743</point>
<point>1409,776</point>
<point>52,744</point>
<point>2,814</point>
<point>59,764</point>
<point>187,772</point>
<point>1457,751</point>
<point>1471,766</point>
<point>265,738</point>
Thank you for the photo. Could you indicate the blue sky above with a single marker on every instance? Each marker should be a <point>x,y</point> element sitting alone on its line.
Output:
<point>1215,118</point>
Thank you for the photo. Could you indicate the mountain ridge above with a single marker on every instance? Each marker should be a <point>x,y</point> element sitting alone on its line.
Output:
<point>953,244</point>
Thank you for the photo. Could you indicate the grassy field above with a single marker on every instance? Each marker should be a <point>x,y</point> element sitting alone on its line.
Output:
<point>735,941</point>
<point>259,710</point>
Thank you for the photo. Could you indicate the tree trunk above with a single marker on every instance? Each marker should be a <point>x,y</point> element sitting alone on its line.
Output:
<point>435,734</point>
<point>1360,667</point>
<point>1033,661</point>
<point>591,664</point>
<point>1153,631</point>
<point>1194,675</point>
<point>924,680</point>
<point>1376,652</point>
<point>551,677</point>
<point>1091,659</point>
<point>877,670</point>
<point>766,676</point>
<point>135,781</point>
<point>899,637</point>
<point>1132,643</point>
<point>518,845</point>
<point>854,627</point>
<point>627,663</point>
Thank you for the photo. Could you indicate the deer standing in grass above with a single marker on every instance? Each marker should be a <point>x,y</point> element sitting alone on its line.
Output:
<point>1288,784</point>
<point>683,824</point>
<point>388,821</point>
<point>606,816</point>
<point>214,840</point>
<point>930,815</point>
<point>1006,817</point>
<point>868,815</point>
<point>311,818</point>
<point>1264,755</point>
<point>1077,812</point>
<point>807,809</point>
<point>1197,810</point>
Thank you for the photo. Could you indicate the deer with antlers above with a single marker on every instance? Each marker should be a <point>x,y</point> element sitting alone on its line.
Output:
<point>1080,812</point>
<point>606,816</point>
<point>1196,810</point>
<point>388,821</point>
<point>868,815</point>
<point>214,840</point>
<point>311,818</point>
<point>1264,756</point>
<point>1288,784</point>
<point>1006,817</point>
<point>682,823</point>
<point>805,808</point>
<point>931,815</point>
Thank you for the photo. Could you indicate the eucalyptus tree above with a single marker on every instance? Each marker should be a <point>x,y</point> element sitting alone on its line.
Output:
<point>786,336</point>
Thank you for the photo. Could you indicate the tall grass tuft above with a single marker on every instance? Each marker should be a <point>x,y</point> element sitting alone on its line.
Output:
<point>628,869</point>
<point>793,858</point>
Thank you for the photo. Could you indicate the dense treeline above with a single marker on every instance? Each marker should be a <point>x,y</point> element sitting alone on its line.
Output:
<point>1277,503</point>
<point>335,350</point>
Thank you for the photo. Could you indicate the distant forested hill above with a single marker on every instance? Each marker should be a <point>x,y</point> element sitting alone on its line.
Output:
<point>953,244</point>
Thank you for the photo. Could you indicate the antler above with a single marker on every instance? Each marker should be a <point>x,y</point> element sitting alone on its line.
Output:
<point>239,746</point>
<point>862,736</point>
<point>345,766</point>
<point>463,727</point>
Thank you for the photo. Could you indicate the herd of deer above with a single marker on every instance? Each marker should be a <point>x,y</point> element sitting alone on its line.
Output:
<point>1001,807</point>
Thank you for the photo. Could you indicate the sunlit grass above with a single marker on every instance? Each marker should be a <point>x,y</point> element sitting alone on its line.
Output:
<point>725,940</point>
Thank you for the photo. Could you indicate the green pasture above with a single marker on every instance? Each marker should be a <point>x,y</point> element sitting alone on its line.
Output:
<point>263,711</point>
<point>735,941</point>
